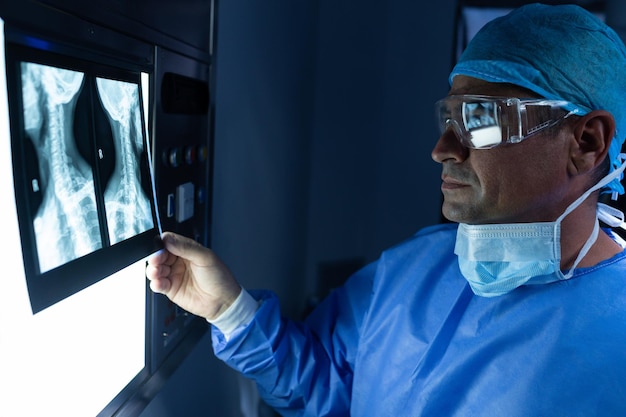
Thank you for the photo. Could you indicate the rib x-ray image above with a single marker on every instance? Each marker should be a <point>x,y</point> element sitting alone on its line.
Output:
<point>66,223</point>
<point>128,208</point>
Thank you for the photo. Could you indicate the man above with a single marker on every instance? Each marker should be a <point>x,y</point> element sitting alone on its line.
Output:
<point>518,308</point>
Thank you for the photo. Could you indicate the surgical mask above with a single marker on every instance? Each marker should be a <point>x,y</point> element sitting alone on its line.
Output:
<point>497,258</point>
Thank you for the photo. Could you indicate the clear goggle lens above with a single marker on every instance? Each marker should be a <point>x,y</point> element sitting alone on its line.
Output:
<point>482,122</point>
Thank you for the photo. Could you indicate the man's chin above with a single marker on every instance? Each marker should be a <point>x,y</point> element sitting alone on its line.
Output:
<point>461,214</point>
<point>453,215</point>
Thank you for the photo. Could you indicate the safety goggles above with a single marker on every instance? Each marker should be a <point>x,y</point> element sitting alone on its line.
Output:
<point>483,122</point>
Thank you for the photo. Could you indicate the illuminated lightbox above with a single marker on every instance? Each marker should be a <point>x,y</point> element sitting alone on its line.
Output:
<point>82,171</point>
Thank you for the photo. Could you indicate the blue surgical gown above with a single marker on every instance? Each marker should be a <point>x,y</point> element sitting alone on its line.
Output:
<point>405,336</point>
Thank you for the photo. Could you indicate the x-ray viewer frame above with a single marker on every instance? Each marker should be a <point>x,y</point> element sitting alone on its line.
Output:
<point>84,190</point>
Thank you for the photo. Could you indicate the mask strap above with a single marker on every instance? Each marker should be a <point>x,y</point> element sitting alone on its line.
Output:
<point>611,216</point>
<point>588,244</point>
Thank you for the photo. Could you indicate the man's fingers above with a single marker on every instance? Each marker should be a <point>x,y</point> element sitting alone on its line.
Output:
<point>185,248</point>
<point>157,271</point>
<point>160,285</point>
<point>161,257</point>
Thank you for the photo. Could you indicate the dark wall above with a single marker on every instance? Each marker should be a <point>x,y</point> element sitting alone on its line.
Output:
<point>379,70</point>
<point>263,131</point>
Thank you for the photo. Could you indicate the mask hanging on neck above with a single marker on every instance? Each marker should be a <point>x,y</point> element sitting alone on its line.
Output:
<point>497,258</point>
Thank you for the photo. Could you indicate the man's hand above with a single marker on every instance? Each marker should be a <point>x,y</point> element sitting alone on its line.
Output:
<point>192,277</point>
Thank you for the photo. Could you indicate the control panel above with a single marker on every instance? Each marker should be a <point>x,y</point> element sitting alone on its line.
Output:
<point>182,171</point>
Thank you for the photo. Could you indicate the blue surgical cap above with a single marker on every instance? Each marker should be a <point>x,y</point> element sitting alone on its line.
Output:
<point>559,52</point>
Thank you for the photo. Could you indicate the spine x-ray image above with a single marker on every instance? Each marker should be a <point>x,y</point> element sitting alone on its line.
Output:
<point>66,225</point>
<point>128,208</point>
<point>77,207</point>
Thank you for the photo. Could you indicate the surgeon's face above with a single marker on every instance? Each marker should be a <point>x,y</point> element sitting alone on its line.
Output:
<point>511,183</point>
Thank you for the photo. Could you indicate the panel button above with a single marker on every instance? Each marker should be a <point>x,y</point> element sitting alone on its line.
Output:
<point>174,157</point>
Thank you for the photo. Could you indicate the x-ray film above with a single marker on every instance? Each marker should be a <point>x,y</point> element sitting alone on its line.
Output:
<point>86,201</point>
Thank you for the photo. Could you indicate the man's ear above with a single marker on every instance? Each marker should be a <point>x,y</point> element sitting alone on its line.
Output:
<point>593,134</point>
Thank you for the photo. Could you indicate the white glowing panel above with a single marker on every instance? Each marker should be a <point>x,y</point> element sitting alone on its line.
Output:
<point>72,358</point>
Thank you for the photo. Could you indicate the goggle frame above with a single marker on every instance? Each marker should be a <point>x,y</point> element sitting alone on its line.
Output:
<point>478,120</point>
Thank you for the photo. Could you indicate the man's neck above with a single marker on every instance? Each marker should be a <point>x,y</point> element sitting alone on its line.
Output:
<point>575,230</point>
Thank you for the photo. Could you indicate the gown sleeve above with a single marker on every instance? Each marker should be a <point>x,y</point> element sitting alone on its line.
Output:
<point>302,368</point>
